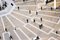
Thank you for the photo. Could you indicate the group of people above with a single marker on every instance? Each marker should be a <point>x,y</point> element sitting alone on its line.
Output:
<point>4,5</point>
<point>41,25</point>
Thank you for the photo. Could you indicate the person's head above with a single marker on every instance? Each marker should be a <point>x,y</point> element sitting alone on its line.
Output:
<point>37,37</point>
<point>41,24</point>
<point>5,29</point>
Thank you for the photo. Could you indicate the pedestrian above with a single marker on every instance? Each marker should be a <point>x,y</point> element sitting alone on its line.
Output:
<point>11,37</point>
<point>40,26</point>
<point>41,19</point>
<point>46,2</point>
<point>51,8</point>
<point>34,20</point>
<point>56,32</point>
<point>5,2</point>
<point>11,4</point>
<point>29,11</point>
<point>15,28</point>
<point>18,7</point>
<point>36,13</point>
<point>27,20</point>
<point>41,8</point>
<point>0,8</point>
<point>37,38</point>
<point>6,29</point>
<point>5,5</point>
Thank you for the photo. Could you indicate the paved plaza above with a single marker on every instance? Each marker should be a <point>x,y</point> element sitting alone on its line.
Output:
<point>30,19</point>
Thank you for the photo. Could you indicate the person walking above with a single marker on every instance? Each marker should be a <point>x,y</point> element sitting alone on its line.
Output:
<point>51,8</point>
<point>11,37</point>
<point>34,20</point>
<point>6,29</point>
<point>11,4</point>
<point>41,8</point>
<point>29,11</point>
<point>41,19</point>
<point>56,32</point>
<point>18,7</point>
<point>36,13</point>
<point>40,26</point>
<point>27,20</point>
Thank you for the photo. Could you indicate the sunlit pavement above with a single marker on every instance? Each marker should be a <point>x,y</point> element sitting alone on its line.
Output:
<point>21,29</point>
